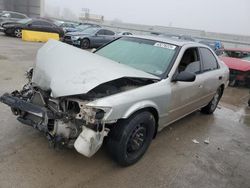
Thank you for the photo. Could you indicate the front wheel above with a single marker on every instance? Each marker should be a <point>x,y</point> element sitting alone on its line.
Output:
<point>18,33</point>
<point>212,105</point>
<point>85,44</point>
<point>129,139</point>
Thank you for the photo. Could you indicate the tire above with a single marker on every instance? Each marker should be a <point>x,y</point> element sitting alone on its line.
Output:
<point>18,33</point>
<point>129,139</point>
<point>212,105</point>
<point>85,44</point>
<point>249,102</point>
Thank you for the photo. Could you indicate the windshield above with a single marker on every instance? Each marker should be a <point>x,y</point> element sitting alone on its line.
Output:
<point>58,23</point>
<point>147,55</point>
<point>91,30</point>
<point>82,27</point>
<point>24,21</point>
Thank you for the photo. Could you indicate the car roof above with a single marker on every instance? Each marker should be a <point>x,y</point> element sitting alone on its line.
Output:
<point>177,42</point>
<point>6,11</point>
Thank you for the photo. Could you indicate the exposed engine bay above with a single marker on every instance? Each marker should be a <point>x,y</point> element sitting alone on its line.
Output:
<point>68,121</point>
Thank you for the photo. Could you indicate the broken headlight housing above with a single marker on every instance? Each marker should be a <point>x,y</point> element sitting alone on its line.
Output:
<point>93,115</point>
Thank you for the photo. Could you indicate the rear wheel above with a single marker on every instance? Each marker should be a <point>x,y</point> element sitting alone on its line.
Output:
<point>85,44</point>
<point>18,33</point>
<point>129,139</point>
<point>210,108</point>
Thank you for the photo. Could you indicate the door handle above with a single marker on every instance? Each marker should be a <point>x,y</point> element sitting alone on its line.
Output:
<point>200,86</point>
<point>220,77</point>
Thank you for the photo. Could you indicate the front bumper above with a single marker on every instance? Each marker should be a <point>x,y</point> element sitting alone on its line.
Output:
<point>25,110</point>
<point>87,142</point>
<point>72,42</point>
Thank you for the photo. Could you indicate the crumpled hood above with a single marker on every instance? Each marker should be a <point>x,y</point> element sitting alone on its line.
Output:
<point>67,70</point>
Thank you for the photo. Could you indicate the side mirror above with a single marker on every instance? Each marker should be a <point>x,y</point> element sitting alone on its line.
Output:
<point>184,76</point>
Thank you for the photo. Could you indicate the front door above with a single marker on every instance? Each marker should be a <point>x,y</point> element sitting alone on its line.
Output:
<point>187,97</point>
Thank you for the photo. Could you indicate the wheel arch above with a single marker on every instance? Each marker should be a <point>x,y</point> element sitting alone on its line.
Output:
<point>150,108</point>
<point>87,38</point>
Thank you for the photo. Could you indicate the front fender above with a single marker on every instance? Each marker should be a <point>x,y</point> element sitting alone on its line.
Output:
<point>138,106</point>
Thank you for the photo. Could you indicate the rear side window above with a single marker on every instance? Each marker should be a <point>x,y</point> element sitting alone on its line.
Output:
<point>101,32</point>
<point>20,16</point>
<point>108,32</point>
<point>208,59</point>
<point>41,23</point>
<point>6,15</point>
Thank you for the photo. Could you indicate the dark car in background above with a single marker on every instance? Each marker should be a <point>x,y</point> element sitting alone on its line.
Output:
<point>66,25</point>
<point>42,25</point>
<point>11,16</point>
<point>81,27</point>
<point>92,37</point>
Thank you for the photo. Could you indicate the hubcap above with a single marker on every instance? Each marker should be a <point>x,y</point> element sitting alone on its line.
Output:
<point>18,33</point>
<point>85,44</point>
<point>136,139</point>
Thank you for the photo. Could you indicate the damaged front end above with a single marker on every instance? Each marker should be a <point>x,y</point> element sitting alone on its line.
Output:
<point>64,81</point>
<point>65,121</point>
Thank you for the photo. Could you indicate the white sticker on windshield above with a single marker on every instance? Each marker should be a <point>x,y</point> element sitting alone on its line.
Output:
<point>164,45</point>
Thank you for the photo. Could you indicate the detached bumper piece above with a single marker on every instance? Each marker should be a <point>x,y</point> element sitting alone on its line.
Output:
<point>28,113</point>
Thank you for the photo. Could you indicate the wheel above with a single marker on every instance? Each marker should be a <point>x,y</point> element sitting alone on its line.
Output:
<point>85,44</point>
<point>249,102</point>
<point>129,139</point>
<point>18,33</point>
<point>210,108</point>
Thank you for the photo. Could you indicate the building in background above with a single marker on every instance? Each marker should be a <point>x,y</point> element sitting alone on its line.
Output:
<point>86,16</point>
<point>32,8</point>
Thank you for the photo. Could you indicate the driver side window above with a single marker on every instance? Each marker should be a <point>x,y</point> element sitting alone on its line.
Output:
<point>190,61</point>
<point>101,32</point>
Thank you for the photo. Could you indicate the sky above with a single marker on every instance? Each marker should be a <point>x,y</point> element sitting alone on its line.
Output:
<point>223,16</point>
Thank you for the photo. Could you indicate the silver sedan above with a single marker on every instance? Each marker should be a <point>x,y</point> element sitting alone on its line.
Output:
<point>125,92</point>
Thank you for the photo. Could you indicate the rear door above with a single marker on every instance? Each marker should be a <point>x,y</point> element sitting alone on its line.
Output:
<point>213,77</point>
<point>99,38</point>
<point>187,97</point>
<point>40,25</point>
<point>109,36</point>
